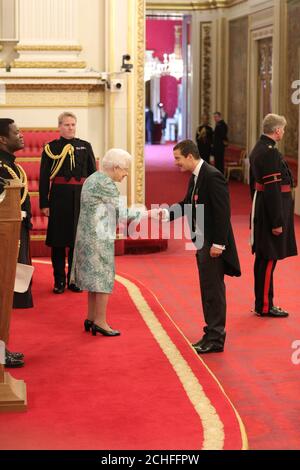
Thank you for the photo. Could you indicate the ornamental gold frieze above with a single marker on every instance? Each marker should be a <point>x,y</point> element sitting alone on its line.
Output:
<point>206,68</point>
<point>41,48</point>
<point>52,99</point>
<point>49,65</point>
<point>195,5</point>
<point>56,86</point>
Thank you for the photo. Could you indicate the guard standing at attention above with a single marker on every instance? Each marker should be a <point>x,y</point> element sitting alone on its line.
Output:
<point>272,218</point>
<point>65,163</point>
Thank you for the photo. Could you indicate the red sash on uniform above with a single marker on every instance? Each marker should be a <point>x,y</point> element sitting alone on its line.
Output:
<point>61,180</point>
<point>284,188</point>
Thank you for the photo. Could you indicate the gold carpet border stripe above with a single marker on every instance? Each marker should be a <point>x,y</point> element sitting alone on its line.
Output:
<point>213,429</point>
<point>245,443</point>
<point>210,438</point>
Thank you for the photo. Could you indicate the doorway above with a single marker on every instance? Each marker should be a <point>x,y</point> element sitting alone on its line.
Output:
<point>167,102</point>
<point>168,78</point>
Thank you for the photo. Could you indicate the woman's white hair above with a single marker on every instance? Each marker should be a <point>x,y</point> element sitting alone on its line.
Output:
<point>116,158</point>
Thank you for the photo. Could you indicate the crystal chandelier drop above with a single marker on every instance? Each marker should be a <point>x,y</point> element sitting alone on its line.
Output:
<point>172,64</point>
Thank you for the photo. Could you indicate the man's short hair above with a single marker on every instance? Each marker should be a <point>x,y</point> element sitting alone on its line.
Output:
<point>271,122</point>
<point>64,115</point>
<point>217,113</point>
<point>4,126</point>
<point>187,147</point>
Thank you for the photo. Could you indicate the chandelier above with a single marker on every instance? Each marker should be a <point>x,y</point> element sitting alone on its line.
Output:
<point>172,64</point>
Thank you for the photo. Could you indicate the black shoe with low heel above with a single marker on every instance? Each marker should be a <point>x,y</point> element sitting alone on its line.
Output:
<point>74,288</point>
<point>88,324</point>
<point>97,329</point>
<point>15,355</point>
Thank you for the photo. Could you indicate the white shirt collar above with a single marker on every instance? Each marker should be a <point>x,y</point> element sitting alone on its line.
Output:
<point>198,168</point>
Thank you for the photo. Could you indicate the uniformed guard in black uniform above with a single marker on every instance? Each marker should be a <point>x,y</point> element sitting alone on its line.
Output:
<point>220,140</point>
<point>10,170</point>
<point>272,218</point>
<point>11,140</point>
<point>204,139</point>
<point>65,164</point>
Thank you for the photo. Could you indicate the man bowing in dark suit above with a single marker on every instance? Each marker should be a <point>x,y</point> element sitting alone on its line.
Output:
<point>216,253</point>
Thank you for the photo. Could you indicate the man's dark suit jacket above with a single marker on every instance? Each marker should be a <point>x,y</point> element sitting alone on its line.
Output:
<point>211,190</point>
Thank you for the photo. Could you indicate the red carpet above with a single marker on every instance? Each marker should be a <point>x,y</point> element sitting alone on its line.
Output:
<point>255,369</point>
<point>146,389</point>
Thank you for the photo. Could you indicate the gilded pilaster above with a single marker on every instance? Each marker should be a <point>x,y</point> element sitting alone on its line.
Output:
<point>279,94</point>
<point>138,118</point>
<point>205,69</point>
<point>221,65</point>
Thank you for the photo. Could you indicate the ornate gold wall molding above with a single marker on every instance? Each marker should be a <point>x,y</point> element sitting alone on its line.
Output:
<point>291,73</point>
<point>205,68</point>
<point>140,104</point>
<point>238,66</point>
<point>41,98</point>
<point>45,47</point>
<point>49,65</point>
<point>56,87</point>
<point>192,5</point>
<point>259,29</point>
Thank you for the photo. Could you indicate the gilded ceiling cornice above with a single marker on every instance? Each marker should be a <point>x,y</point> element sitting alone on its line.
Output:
<point>192,5</point>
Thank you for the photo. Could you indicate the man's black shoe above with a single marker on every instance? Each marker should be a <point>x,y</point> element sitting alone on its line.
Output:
<point>12,362</point>
<point>208,348</point>
<point>274,312</point>
<point>74,288</point>
<point>200,342</point>
<point>278,312</point>
<point>15,355</point>
<point>59,288</point>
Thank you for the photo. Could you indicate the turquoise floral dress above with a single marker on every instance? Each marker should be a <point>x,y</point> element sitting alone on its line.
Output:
<point>101,209</point>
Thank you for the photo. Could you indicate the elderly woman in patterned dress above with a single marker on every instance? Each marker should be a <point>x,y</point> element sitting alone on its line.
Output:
<point>101,208</point>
